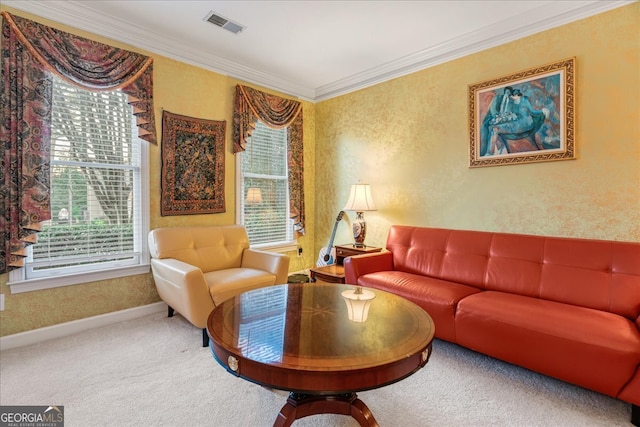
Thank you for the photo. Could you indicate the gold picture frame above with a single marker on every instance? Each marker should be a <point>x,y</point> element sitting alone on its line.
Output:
<point>192,165</point>
<point>523,117</point>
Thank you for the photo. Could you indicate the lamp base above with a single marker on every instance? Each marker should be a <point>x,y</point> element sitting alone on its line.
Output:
<point>359,230</point>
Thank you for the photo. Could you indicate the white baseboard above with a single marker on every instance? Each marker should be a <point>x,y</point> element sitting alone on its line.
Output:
<point>68,328</point>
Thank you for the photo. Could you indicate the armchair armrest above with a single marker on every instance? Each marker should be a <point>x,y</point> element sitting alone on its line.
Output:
<point>272,262</point>
<point>183,287</point>
<point>177,272</point>
<point>359,265</point>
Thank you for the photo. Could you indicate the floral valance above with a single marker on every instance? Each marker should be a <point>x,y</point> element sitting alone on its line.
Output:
<point>92,65</point>
<point>251,105</point>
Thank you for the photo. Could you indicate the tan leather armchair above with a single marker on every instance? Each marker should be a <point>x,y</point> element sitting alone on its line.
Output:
<point>196,268</point>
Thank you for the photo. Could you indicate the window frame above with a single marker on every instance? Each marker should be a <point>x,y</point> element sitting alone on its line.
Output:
<point>18,281</point>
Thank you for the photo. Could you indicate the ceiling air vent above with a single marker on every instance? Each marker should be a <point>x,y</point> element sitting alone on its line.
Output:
<point>223,22</point>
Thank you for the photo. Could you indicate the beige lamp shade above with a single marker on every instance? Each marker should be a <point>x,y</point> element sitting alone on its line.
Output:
<point>254,196</point>
<point>360,199</point>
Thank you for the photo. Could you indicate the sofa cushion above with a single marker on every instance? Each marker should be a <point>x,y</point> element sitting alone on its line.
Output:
<point>459,256</point>
<point>595,349</point>
<point>515,264</point>
<point>596,274</point>
<point>437,297</point>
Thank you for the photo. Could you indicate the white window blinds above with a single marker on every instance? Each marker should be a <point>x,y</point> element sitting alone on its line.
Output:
<point>265,189</point>
<point>95,185</point>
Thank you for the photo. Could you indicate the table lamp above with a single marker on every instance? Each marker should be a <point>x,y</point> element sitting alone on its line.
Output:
<point>360,200</point>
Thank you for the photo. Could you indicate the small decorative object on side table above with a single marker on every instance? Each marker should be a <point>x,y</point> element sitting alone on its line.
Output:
<point>334,273</point>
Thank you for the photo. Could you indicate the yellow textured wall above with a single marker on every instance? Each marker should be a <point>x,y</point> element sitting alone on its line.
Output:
<point>409,138</point>
<point>182,89</point>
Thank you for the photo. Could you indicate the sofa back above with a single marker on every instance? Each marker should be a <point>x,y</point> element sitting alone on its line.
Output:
<point>210,248</point>
<point>603,275</point>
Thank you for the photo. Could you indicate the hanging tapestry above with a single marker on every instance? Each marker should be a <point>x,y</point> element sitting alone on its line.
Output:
<point>192,165</point>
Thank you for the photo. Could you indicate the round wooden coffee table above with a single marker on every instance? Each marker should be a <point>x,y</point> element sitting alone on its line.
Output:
<point>304,338</point>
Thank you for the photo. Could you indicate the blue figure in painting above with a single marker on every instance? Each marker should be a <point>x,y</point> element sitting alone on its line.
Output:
<point>510,117</point>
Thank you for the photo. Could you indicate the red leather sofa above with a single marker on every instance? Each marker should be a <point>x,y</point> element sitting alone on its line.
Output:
<point>567,308</point>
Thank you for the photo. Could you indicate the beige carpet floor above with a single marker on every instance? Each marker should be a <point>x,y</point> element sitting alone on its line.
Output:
<point>153,371</point>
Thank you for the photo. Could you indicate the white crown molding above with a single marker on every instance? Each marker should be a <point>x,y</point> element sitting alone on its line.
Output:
<point>78,15</point>
<point>488,37</point>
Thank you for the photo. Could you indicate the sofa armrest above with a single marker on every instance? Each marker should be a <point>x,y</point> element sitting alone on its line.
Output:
<point>272,262</point>
<point>359,265</point>
<point>183,287</point>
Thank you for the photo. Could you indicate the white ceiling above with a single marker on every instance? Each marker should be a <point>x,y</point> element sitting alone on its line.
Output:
<point>316,50</point>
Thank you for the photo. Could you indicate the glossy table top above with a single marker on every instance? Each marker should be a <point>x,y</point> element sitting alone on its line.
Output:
<point>299,337</point>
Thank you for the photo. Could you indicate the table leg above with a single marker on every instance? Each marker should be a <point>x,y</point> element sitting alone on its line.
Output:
<point>302,405</point>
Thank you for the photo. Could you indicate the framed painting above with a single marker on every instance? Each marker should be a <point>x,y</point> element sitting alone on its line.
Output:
<point>192,165</point>
<point>524,117</point>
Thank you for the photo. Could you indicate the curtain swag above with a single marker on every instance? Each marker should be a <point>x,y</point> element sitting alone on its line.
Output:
<point>91,65</point>
<point>276,112</point>
<point>30,53</point>
<point>251,105</point>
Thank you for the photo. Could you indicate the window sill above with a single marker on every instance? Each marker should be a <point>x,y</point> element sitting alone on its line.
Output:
<point>39,284</point>
<point>277,247</point>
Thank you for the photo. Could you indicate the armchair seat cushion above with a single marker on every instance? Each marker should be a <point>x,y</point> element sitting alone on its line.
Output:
<point>224,284</point>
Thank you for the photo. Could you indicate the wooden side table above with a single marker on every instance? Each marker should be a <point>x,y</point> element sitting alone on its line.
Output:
<point>335,273</point>
<point>344,251</point>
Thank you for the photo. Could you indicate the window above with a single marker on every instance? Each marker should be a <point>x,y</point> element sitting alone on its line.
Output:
<point>99,206</point>
<point>264,190</point>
